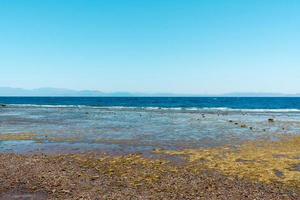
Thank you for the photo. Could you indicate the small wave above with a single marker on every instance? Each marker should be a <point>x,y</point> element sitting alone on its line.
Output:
<point>45,106</point>
<point>225,109</point>
<point>152,108</point>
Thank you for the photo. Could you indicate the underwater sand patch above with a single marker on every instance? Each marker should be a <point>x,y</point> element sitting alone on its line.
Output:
<point>37,138</point>
<point>18,136</point>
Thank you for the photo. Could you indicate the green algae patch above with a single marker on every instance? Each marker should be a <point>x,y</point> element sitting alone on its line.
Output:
<point>133,170</point>
<point>18,136</point>
<point>264,161</point>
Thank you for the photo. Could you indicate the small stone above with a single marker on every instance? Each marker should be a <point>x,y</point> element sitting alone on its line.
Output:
<point>66,191</point>
<point>94,177</point>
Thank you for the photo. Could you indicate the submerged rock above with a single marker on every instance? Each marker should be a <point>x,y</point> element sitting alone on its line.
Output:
<point>243,126</point>
<point>270,120</point>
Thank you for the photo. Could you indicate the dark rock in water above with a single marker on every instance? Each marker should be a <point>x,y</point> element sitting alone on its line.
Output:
<point>251,128</point>
<point>2,105</point>
<point>264,130</point>
<point>230,121</point>
<point>278,173</point>
<point>271,120</point>
<point>236,123</point>
<point>296,168</point>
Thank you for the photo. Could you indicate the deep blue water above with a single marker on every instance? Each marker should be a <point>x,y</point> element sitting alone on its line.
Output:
<point>162,102</point>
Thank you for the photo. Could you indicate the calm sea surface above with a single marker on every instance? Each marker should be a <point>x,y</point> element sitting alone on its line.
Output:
<point>161,102</point>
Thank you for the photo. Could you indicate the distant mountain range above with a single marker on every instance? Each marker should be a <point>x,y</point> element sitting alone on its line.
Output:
<point>245,94</point>
<point>8,91</point>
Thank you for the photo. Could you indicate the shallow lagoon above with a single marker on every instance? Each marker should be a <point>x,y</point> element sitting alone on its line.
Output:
<point>138,130</point>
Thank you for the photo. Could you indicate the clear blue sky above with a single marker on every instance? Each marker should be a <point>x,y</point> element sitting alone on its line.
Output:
<point>179,46</point>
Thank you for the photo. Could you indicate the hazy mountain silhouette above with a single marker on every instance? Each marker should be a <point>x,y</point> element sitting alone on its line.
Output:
<point>9,91</point>
<point>245,94</point>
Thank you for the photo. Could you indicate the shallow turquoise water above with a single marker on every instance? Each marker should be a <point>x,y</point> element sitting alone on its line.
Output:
<point>122,130</point>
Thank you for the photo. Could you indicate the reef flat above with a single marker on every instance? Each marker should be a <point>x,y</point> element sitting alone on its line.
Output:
<point>91,176</point>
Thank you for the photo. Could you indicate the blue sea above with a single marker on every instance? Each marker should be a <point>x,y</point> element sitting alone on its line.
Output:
<point>122,125</point>
<point>264,103</point>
